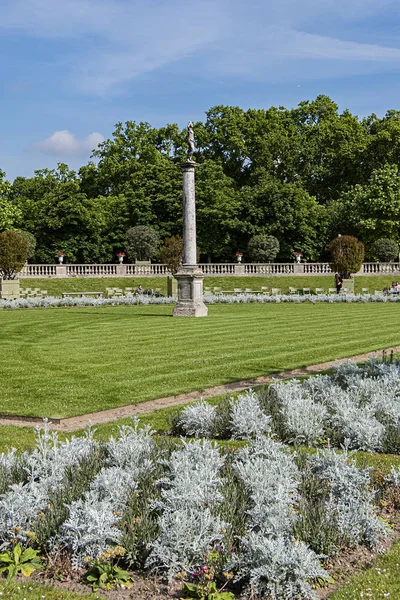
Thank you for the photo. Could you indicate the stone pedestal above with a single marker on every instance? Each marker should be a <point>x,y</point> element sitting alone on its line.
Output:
<point>190,277</point>
<point>61,271</point>
<point>121,270</point>
<point>190,293</point>
<point>172,287</point>
<point>298,269</point>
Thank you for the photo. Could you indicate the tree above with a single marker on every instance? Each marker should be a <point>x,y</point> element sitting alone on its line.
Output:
<point>62,217</point>
<point>30,238</point>
<point>347,255</point>
<point>171,253</point>
<point>285,211</point>
<point>142,242</point>
<point>384,250</point>
<point>9,212</point>
<point>372,211</point>
<point>332,149</point>
<point>217,209</point>
<point>13,254</point>
<point>263,248</point>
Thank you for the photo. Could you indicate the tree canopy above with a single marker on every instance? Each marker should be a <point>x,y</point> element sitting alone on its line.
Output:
<point>302,175</point>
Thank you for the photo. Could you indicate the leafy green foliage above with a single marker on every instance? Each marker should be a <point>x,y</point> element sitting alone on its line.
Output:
<point>105,575</point>
<point>171,253</point>
<point>30,238</point>
<point>9,211</point>
<point>371,210</point>
<point>13,253</point>
<point>205,591</point>
<point>302,175</point>
<point>347,255</point>
<point>142,242</point>
<point>263,248</point>
<point>21,561</point>
<point>384,250</point>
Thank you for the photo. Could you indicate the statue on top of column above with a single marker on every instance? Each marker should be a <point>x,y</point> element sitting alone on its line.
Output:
<point>190,140</point>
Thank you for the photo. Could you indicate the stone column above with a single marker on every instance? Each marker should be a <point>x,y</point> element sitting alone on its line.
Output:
<point>190,277</point>
<point>189,214</point>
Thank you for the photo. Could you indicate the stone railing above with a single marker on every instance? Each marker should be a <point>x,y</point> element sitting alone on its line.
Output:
<point>316,268</point>
<point>380,268</point>
<point>91,270</point>
<point>219,268</point>
<point>208,269</point>
<point>146,270</point>
<point>270,269</point>
<point>39,271</point>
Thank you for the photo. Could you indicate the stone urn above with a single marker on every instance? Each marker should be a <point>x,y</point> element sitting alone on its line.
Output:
<point>239,258</point>
<point>121,259</point>
<point>298,258</point>
<point>61,259</point>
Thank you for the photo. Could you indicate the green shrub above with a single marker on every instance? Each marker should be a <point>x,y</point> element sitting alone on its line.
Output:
<point>384,250</point>
<point>263,248</point>
<point>14,249</point>
<point>142,242</point>
<point>171,253</point>
<point>347,255</point>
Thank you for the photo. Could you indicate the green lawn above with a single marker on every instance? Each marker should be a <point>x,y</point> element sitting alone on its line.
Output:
<point>377,583</point>
<point>55,287</point>
<point>63,362</point>
<point>20,590</point>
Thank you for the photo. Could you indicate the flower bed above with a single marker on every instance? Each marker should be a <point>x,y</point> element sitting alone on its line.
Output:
<point>50,301</point>
<point>357,407</point>
<point>245,519</point>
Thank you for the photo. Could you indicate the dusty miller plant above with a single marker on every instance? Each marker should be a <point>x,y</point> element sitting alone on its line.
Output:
<point>247,420</point>
<point>271,561</point>
<point>188,523</point>
<point>197,420</point>
<point>351,500</point>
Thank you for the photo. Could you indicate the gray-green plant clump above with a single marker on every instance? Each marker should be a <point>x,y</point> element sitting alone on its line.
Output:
<point>187,507</point>
<point>355,406</point>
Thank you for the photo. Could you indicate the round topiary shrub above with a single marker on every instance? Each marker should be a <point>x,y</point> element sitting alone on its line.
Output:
<point>263,248</point>
<point>384,250</point>
<point>142,242</point>
<point>14,249</point>
<point>347,255</point>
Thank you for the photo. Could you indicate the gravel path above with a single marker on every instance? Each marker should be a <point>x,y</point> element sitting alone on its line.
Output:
<point>113,414</point>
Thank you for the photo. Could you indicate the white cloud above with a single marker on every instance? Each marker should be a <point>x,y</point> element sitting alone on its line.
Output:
<point>64,143</point>
<point>116,41</point>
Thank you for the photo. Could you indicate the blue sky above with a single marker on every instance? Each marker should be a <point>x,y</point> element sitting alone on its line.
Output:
<point>70,69</point>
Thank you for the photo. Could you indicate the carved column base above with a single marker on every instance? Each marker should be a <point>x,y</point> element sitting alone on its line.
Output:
<point>190,293</point>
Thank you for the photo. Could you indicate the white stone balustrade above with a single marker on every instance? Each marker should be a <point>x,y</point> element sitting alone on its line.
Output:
<point>208,269</point>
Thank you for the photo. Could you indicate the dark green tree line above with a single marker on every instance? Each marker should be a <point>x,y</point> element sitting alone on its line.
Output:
<point>302,175</point>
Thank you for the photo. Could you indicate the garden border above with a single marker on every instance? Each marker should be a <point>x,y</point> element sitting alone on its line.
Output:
<point>70,424</point>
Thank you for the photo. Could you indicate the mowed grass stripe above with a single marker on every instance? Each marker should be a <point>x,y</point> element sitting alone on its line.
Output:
<point>64,362</point>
